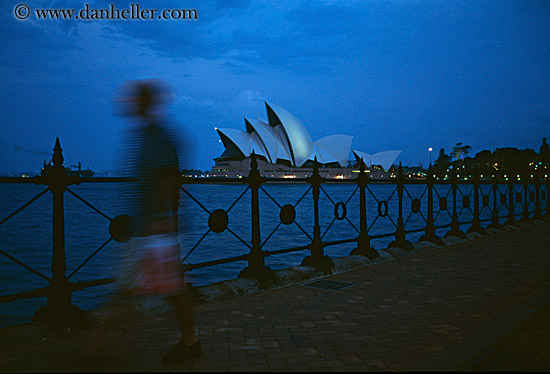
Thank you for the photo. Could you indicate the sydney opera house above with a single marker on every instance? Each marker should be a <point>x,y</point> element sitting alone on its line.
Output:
<point>285,149</point>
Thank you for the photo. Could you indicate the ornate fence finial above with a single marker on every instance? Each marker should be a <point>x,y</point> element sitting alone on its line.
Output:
<point>57,158</point>
<point>253,161</point>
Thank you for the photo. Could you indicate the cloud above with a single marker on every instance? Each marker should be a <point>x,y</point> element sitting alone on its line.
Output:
<point>250,36</point>
<point>250,97</point>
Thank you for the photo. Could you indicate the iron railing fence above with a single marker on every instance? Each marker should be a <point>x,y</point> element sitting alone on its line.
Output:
<point>435,204</point>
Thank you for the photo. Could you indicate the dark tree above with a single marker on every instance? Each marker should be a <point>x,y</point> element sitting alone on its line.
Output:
<point>484,161</point>
<point>441,164</point>
<point>459,151</point>
<point>544,153</point>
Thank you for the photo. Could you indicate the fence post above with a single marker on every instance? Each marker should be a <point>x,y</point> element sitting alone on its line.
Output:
<point>547,193</point>
<point>58,307</point>
<point>363,240</point>
<point>525,176</point>
<point>400,233</point>
<point>511,217</point>
<point>494,218</point>
<point>430,228</point>
<point>476,222</point>
<point>256,260</point>
<point>455,225</point>
<point>175,202</point>
<point>317,259</point>
<point>537,195</point>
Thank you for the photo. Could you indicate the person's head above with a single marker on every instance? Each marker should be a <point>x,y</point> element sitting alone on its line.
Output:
<point>142,98</point>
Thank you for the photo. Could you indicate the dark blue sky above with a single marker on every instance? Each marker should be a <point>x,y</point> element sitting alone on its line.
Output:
<point>404,75</point>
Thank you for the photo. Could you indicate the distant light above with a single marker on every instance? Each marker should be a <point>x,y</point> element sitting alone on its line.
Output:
<point>215,128</point>
<point>430,149</point>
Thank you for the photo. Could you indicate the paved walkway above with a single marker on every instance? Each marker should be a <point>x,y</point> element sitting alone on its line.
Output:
<point>433,310</point>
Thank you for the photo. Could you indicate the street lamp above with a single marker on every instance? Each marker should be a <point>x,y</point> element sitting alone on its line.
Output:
<point>430,150</point>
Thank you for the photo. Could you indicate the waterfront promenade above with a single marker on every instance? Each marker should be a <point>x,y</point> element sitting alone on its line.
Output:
<point>442,308</point>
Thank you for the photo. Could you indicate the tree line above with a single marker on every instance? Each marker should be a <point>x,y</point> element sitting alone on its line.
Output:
<point>502,161</point>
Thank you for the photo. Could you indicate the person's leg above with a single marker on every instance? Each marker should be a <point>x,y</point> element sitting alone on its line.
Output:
<point>185,312</point>
<point>189,346</point>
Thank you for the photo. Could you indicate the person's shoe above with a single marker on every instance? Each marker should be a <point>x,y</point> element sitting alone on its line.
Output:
<point>182,352</point>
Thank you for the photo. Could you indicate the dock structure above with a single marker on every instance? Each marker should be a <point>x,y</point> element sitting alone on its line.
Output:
<point>434,307</point>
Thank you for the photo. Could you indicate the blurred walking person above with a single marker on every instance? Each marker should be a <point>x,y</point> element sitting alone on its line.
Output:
<point>151,264</point>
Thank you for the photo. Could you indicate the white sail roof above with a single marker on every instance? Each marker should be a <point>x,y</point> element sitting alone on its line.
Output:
<point>285,138</point>
<point>235,138</point>
<point>323,156</point>
<point>385,159</point>
<point>266,137</point>
<point>337,147</point>
<point>284,149</point>
<point>297,136</point>
<point>367,158</point>
<point>257,146</point>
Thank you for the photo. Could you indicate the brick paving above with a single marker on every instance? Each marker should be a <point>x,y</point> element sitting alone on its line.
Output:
<point>433,311</point>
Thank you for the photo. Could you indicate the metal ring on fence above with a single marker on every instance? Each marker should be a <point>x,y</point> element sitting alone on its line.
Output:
<point>415,205</point>
<point>485,200</point>
<point>120,228</point>
<point>287,214</point>
<point>385,205</point>
<point>218,220</point>
<point>443,203</point>
<point>336,211</point>
<point>466,202</point>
